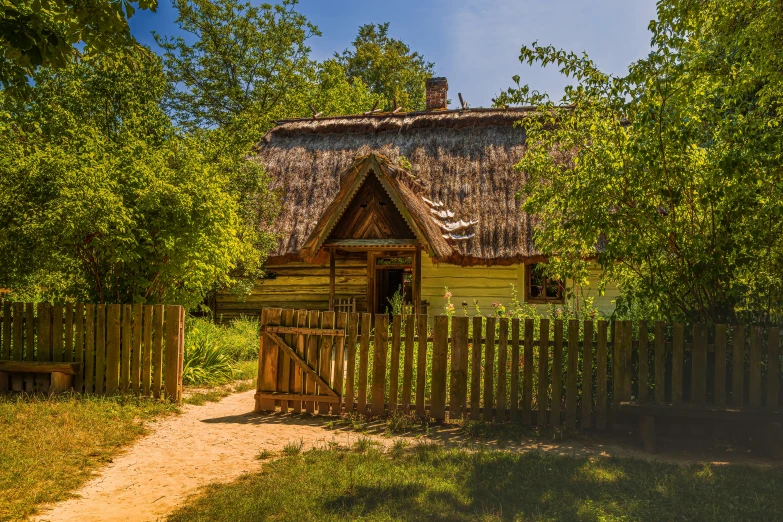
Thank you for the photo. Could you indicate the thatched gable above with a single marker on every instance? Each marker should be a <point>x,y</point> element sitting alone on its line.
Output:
<point>463,159</point>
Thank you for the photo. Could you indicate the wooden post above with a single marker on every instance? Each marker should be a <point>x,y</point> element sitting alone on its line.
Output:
<point>601,377</point>
<point>371,282</point>
<point>380,349</point>
<point>514,369</point>
<point>267,360</point>
<point>353,329</point>
<point>502,384</point>
<point>331,279</point>
<point>587,376</point>
<point>543,362</point>
<point>475,373</point>
<point>407,372</point>
<point>557,374</point>
<point>571,372</point>
<point>394,363</point>
<point>417,281</point>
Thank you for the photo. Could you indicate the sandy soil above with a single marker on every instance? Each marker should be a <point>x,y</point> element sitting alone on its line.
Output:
<point>216,442</point>
<point>220,441</point>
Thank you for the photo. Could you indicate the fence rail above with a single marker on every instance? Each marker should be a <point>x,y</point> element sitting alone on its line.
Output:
<point>122,348</point>
<point>546,373</point>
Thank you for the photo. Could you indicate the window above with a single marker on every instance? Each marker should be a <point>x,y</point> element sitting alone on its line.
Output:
<point>541,289</point>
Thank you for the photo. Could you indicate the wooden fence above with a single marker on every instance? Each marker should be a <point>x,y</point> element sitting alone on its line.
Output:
<point>122,348</point>
<point>551,372</point>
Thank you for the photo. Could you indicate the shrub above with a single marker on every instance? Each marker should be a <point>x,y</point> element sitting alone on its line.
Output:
<point>218,353</point>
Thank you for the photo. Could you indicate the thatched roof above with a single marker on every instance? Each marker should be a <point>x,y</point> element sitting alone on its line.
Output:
<point>461,158</point>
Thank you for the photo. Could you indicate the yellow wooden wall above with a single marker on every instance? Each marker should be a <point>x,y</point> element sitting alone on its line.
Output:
<point>489,284</point>
<point>301,285</point>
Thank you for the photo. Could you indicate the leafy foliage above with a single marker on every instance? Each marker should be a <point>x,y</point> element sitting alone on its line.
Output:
<point>100,197</point>
<point>670,176</point>
<point>245,67</point>
<point>388,67</point>
<point>35,33</point>
<point>214,353</point>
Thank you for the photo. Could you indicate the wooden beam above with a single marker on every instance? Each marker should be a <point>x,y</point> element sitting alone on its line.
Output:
<point>296,397</point>
<point>371,282</point>
<point>333,332</point>
<point>67,368</point>
<point>417,281</point>
<point>331,279</point>
<point>312,373</point>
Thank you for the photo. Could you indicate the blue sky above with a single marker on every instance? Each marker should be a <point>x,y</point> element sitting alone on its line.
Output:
<point>474,43</point>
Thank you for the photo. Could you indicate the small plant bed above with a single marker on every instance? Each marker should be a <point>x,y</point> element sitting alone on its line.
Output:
<point>49,446</point>
<point>424,481</point>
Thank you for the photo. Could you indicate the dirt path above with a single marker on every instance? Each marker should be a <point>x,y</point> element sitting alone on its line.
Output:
<point>220,441</point>
<point>216,442</point>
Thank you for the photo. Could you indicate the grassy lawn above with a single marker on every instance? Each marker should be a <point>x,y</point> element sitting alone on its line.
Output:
<point>426,482</point>
<point>50,446</point>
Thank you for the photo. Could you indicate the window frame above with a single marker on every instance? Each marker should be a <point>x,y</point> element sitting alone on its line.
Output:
<point>541,299</point>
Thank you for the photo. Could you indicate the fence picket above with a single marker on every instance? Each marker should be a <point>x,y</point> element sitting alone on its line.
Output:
<point>572,370</point>
<point>157,356</point>
<point>89,349</point>
<point>600,377</point>
<point>394,362</point>
<point>754,377</point>
<point>313,321</point>
<point>380,349</point>
<point>699,364</point>
<point>57,330</point>
<point>5,342</point>
<point>339,361</point>
<point>407,372</point>
<point>557,374</point>
<point>364,356</point>
<point>440,349</point>
<point>100,349</point>
<point>126,347</point>
<point>44,343</point>
<point>175,316</point>
<point>502,370</point>
<point>78,345</point>
<point>459,375</point>
<point>643,378</point>
<point>587,376</point>
<point>325,358</point>
<point>302,321</point>
<point>267,361</point>
<point>543,361</point>
<point>738,367</point>
<point>475,369</point>
<point>720,365</point>
<point>659,362</point>
<point>146,355</point>
<point>773,367</point>
<point>284,361</point>
<point>527,371</point>
<point>16,381</point>
<point>68,344</point>
<point>350,378</point>
<point>678,348</point>
<point>421,364</point>
<point>514,388</point>
<point>489,369</point>
<point>115,376</point>
<point>136,345</point>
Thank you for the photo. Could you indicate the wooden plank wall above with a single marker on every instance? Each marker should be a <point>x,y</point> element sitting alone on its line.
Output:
<point>299,285</point>
<point>130,349</point>
<point>547,373</point>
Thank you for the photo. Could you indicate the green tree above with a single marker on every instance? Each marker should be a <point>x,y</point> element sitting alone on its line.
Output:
<point>246,66</point>
<point>102,199</point>
<point>36,33</point>
<point>388,67</point>
<point>671,175</point>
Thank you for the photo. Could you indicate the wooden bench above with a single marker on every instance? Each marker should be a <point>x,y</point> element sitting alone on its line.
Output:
<point>61,372</point>
<point>768,422</point>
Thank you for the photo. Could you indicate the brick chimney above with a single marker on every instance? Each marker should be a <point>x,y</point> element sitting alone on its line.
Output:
<point>437,93</point>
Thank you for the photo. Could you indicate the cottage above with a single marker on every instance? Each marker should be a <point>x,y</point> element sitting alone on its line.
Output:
<point>409,203</point>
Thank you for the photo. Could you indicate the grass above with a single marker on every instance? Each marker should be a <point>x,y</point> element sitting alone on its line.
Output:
<point>49,446</point>
<point>217,354</point>
<point>428,482</point>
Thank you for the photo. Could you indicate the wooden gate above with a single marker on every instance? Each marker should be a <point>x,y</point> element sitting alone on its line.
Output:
<point>300,363</point>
